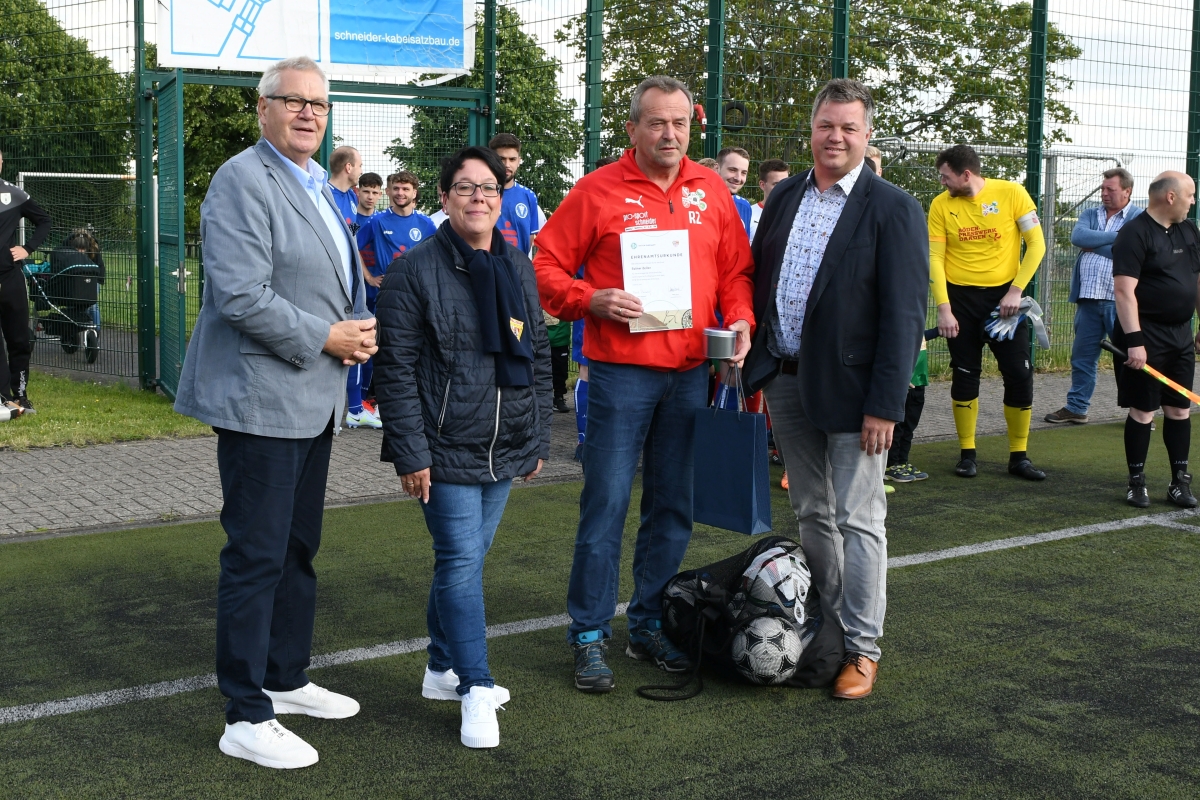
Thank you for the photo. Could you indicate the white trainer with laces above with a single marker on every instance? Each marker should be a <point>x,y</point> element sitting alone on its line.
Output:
<point>444,686</point>
<point>365,419</point>
<point>268,744</point>
<point>479,725</point>
<point>314,701</point>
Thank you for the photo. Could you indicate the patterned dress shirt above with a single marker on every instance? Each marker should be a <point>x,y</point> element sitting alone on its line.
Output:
<point>815,220</point>
<point>1095,271</point>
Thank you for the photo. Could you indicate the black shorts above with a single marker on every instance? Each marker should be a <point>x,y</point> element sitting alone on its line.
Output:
<point>1171,350</point>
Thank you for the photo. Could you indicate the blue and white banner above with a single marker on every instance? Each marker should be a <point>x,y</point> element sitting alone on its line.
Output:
<point>346,37</point>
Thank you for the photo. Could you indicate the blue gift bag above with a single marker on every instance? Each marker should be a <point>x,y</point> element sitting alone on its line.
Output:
<point>731,483</point>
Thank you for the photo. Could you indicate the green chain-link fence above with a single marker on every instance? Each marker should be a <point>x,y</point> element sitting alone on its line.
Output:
<point>1109,82</point>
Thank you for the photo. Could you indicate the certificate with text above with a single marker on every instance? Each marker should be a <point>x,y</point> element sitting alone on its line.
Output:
<point>657,269</point>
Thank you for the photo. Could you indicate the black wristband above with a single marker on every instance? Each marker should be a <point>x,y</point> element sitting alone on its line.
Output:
<point>1135,339</point>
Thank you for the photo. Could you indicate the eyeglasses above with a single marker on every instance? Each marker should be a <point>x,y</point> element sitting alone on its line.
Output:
<point>466,189</point>
<point>296,104</point>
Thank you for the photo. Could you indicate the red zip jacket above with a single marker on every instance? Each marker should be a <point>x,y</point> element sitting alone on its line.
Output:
<point>587,228</point>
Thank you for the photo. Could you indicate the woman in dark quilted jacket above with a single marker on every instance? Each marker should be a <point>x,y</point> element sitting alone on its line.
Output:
<point>463,380</point>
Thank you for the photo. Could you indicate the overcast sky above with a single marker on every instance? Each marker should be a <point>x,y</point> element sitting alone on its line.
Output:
<point>1130,92</point>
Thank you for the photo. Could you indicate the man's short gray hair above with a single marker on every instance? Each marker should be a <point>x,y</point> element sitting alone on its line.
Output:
<point>1164,183</point>
<point>269,83</point>
<point>844,90</point>
<point>661,82</point>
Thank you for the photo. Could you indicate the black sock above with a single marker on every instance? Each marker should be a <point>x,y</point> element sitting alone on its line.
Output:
<point>1016,456</point>
<point>1137,445</point>
<point>1177,436</point>
<point>967,455</point>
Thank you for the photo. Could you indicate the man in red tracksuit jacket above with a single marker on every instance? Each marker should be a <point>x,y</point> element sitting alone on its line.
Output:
<point>644,387</point>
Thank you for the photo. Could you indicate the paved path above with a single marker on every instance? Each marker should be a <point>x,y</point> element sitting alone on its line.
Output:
<point>106,486</point>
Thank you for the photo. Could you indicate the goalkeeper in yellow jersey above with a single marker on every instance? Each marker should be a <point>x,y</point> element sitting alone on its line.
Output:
<point>975,232</point>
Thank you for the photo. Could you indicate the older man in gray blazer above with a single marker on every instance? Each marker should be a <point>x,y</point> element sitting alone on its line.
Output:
<point>284,314</point>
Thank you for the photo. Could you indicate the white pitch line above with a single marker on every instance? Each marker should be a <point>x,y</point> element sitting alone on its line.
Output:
<point>1166,518</point>
<point>89,702</point>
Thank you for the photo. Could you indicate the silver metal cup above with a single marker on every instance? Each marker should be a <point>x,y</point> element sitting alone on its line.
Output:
<point>720,343</point>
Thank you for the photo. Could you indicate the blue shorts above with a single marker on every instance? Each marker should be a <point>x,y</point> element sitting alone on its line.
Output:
<point>577,342</point>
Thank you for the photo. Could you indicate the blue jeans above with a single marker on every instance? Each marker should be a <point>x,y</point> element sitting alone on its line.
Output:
<point>633,411</point>
<point>462,519</point>
<point>1094,321</point>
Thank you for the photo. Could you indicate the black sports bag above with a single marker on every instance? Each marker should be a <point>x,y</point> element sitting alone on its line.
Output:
<point>703,612</point>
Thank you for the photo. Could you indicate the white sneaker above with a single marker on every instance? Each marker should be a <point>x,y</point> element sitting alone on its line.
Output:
<point>314,701</point>
<point>444,686</point>
<point>363,420</point>
<point>479,725</point>
<point>268,744</point>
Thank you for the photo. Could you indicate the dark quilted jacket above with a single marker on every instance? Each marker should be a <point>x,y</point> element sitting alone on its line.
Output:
<point>437,391</point>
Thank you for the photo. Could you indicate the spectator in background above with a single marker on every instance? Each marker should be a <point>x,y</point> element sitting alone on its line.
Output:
<point>383,239</point>
<point>370,189</point>
<point>1092,289</point>
<point>345,168</point>
<point>16,205</point>
<point>519,221</point>
<point>770,172</point>
<point>80,248</point>
<point>733,165</point>
<point>559,334</point>
<point>711,163</point>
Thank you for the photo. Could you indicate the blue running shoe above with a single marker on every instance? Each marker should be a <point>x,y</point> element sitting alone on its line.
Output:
<point>592,673</point>
<point>647,642</point>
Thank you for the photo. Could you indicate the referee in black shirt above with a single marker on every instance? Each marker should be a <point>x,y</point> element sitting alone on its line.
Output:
<point>1156,265</point>
<point>16,205</point>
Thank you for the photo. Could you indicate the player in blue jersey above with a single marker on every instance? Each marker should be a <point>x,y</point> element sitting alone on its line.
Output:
<point>370,189</point>
<point>345,167</point>
<point>380,241</point>
<point>518,221</point>
<point>733,165</point>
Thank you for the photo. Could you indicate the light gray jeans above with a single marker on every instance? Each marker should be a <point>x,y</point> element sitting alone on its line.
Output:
<point>837,493</point>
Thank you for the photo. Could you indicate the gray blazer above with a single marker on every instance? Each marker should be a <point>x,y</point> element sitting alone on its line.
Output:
<point>273,285</point>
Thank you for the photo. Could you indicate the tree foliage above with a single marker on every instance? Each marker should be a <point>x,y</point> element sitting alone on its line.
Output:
<point>528,105</point>
<point>218,123</point>
<point>950,70</point>
<point>63,108</point>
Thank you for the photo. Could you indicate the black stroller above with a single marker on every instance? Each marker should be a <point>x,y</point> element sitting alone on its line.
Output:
<point>63,294</point>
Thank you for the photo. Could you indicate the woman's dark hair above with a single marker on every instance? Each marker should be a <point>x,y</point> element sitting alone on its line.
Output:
<point>82,239</point>
<point>455,162</point>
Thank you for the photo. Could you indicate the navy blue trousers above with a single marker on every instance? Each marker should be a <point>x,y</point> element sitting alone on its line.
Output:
<point>274,493</point>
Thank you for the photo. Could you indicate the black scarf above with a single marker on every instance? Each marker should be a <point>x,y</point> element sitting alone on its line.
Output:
<point>503,320</point>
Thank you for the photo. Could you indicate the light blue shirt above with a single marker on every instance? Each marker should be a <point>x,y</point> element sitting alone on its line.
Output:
<point>1095,270</point>
<point>815,220</point>
<point>313,180</point>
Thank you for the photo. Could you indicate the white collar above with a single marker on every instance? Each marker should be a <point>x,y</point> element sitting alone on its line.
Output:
<point>847,181</point>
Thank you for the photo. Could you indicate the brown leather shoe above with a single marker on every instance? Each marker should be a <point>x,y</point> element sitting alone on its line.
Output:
<point>857,678</point>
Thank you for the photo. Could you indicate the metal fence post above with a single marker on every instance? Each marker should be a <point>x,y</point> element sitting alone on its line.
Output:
<point>714,78</point>
<point>147,273</point>
<point>840,66</point>
<point>1038,28</point>
<point>593,101</point>
<point>489,69</point>
<point>1193,132</point>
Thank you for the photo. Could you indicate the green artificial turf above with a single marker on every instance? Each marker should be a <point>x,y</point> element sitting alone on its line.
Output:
<point>1058,670</point>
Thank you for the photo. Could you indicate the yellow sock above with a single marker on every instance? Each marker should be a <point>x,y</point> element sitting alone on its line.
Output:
<point>965,415</point>
<point>1018,427</point>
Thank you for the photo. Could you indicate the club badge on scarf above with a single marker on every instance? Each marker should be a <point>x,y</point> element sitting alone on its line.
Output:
<point>516,326</point>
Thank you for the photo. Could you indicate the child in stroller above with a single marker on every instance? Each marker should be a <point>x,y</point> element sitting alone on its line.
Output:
<point>67,296</point>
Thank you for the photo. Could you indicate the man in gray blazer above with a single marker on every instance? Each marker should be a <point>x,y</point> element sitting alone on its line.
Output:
<point>284,314</point>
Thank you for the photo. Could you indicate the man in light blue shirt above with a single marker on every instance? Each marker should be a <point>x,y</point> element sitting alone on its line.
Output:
<point>1092,289</point>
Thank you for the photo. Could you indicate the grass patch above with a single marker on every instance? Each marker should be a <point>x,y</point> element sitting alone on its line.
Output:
<point>80,413</point>
<point>1060,670</point>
